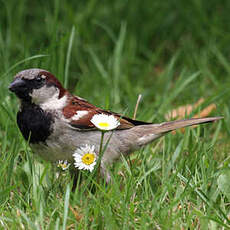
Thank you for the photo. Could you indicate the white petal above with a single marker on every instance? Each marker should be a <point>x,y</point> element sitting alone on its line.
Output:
<point>79,153</point>
<point>103,118</point>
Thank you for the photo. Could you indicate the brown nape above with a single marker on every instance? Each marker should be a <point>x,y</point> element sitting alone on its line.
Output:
<point>52,80</point>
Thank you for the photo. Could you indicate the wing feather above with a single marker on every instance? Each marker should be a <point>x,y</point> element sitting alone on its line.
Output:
<point>80,112</point>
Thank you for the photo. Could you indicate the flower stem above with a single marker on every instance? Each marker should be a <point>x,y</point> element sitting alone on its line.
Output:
<point>100,155</point>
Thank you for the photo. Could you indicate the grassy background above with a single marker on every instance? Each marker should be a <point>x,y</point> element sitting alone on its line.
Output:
<point>173,53</point>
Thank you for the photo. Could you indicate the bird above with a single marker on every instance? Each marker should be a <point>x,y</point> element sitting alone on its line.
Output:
<point>56,122</point>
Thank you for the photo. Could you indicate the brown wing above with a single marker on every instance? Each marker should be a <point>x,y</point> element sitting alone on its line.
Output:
<point>80,112</point>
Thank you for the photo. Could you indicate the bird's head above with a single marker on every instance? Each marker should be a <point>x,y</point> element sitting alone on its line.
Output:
<point>36,86</point>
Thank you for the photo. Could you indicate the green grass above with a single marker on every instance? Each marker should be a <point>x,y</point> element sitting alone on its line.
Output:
<point>171,52</point>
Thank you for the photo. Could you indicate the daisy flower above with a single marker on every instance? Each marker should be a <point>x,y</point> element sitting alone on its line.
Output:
<point>63,164</point>
<point>105,122</point>
<point>85,158</point>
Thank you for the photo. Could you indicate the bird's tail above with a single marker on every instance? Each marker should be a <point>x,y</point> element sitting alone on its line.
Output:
<point>148,133</point>
<point>172,125</point>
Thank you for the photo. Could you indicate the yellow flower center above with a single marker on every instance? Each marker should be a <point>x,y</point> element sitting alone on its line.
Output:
<point>88,158</point>
<point>62,165</point>
<point>104,124</point>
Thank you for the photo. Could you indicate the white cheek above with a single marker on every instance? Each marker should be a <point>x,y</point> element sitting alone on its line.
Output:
<point>54,103</point>
<point>43,94</point>
<point>47,98</point>
<point>79,114</point>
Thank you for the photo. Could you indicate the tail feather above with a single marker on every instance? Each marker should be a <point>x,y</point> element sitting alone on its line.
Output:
<point>148,133</point>
<point>172,125</point>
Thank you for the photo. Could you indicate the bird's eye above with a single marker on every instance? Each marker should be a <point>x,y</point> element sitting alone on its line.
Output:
<point>39,81</point>
<point>39,78</point>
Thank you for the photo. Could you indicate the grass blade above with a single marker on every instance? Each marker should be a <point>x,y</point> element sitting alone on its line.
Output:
<point>66,207</point>
<point>68,56</point>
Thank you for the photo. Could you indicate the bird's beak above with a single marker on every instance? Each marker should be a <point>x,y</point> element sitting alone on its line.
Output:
<point>17,84</point>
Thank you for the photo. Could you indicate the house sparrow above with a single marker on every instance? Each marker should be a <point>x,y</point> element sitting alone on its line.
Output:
<point>56,123</point>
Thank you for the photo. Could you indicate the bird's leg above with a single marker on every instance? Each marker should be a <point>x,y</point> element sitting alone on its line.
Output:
<point>75,175</point>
